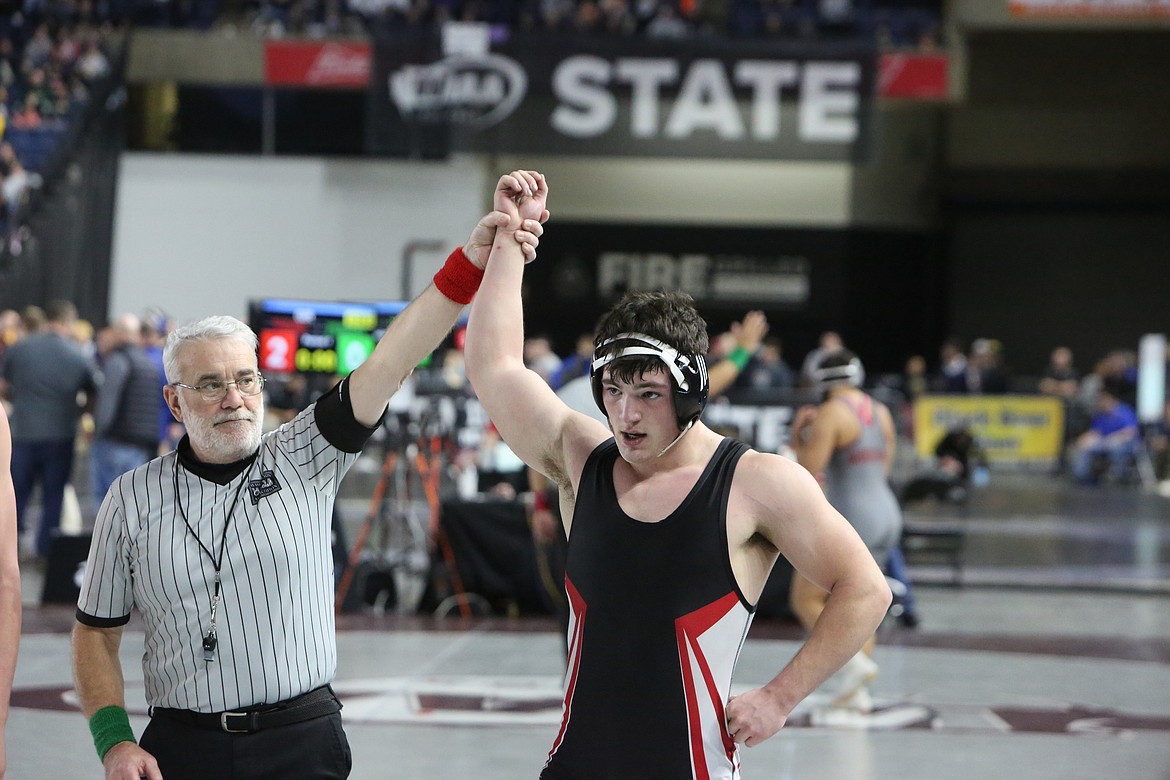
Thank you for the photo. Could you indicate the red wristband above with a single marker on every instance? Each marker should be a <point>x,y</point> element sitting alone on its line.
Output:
<point>458,279</point>
<point>540,500</point>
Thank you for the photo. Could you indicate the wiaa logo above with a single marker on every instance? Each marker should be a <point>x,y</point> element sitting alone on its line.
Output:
<point>476,92</point>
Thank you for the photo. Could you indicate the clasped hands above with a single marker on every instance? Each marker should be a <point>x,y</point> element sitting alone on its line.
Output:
<point>519,212</point>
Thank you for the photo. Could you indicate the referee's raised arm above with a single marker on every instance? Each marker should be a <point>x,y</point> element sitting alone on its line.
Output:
<point>429,318</point>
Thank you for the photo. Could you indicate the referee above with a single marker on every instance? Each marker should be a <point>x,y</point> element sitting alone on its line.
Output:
<point>223,547</point>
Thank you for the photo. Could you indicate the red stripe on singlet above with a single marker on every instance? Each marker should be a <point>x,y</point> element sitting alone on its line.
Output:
<point>578,609</point>
<point>688,629</point>
<point>865,410</point>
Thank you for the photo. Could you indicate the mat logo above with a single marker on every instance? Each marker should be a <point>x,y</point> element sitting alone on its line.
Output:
<point>476,92</point>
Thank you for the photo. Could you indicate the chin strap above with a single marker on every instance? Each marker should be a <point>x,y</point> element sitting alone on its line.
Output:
<point>676,438</point>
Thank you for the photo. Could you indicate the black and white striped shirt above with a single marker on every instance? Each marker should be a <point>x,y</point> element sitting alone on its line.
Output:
<point>274,622</point>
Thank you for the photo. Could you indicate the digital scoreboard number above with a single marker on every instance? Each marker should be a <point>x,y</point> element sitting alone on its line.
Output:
<point>318,337</point>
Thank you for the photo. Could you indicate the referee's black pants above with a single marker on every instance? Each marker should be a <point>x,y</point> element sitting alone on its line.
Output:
<point>314,749</point>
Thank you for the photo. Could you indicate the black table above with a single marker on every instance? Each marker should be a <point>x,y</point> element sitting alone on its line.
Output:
<point>496,558</point>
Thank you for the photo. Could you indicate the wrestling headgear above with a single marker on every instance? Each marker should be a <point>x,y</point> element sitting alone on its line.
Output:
<point>840,367</point>
<point>689,372</point>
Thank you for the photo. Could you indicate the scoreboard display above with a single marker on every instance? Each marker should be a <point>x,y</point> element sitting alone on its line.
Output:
<point>319,337</point>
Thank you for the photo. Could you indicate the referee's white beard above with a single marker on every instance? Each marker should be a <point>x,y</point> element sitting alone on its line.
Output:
<point>226,444</point>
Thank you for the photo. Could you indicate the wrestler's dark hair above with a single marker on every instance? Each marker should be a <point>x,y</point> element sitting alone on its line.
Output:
<point>668,315</point>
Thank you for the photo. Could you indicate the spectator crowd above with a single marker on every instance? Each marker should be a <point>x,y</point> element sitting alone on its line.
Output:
<point>49,60</point>
<point>915,24</point>
<point>70,390</point>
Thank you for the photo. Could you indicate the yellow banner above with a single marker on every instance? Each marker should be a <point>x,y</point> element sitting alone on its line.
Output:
<point>1009,428</point>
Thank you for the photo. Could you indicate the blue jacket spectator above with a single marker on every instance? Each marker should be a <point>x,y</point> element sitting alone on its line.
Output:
<point>1113,437</point>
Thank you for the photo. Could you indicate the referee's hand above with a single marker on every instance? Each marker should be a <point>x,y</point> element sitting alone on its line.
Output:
<point>127,761</point>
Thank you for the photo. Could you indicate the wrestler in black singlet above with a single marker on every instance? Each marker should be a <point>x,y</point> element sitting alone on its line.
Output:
<point>657,625</point>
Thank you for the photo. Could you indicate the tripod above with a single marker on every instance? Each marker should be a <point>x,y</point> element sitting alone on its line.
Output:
<point>404,537</point>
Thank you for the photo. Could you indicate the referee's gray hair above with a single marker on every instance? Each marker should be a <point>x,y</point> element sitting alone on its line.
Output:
<point>216,327</point>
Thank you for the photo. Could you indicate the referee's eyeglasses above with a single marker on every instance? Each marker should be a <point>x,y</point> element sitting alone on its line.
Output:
<point>217,389</point>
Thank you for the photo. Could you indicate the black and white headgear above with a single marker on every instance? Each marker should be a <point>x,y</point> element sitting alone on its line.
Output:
<point>688,372</point>
<point>840,367</point>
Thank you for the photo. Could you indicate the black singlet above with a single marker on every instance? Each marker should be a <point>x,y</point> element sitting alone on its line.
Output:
<point>656,627</point>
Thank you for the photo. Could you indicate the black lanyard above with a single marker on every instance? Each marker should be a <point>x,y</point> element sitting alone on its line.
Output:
<point>210,640</point>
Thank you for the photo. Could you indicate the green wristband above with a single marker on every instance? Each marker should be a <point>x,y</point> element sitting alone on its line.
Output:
<point>109,726</point>
<point>740,356</point>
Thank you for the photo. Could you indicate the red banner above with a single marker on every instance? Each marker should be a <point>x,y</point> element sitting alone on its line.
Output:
<point>913,76</point>
<point>317,64</point>
<point>1092,9</point>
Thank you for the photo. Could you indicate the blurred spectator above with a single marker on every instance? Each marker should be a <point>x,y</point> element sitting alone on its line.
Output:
<point>575,365</point>
<point>952,372</point>
<point>985,369</point>
<point>29,116</point>
<point>539,356</point>
<point>38,92</point>
<point>1117,368</point>
<point>8,62</point>
<point>1158,442</point>
<point>125,416</point>
<point>154,338</point>
<point>44,375</point>
<point>11,330</point>
<point>719,347</point>
<point>16,181</point>
<point>767,367</point>
<point>453,371</point>
<point>712,17</point>
<point>914,379</point>
<point>784,19</point>
<point>553,14</point>
<point>733,350</point>
<point>588,18</point>
<point>37,49</point>
<point>913,383</point>
<point>1061,380</point>
<point>33,319</point>
<point>836,14</point>
<point>618,17</point>
<point>501,473</point>
<point>1109,446</point>
<point>956,456</point>
<point>666,23</point>
<point>85,337</point>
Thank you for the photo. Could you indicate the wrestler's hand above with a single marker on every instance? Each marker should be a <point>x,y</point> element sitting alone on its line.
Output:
<point>754,716</point>
<point>479,244</point>
<point>802,420</point>
<point>127,761</point>
<point>522,195</point>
